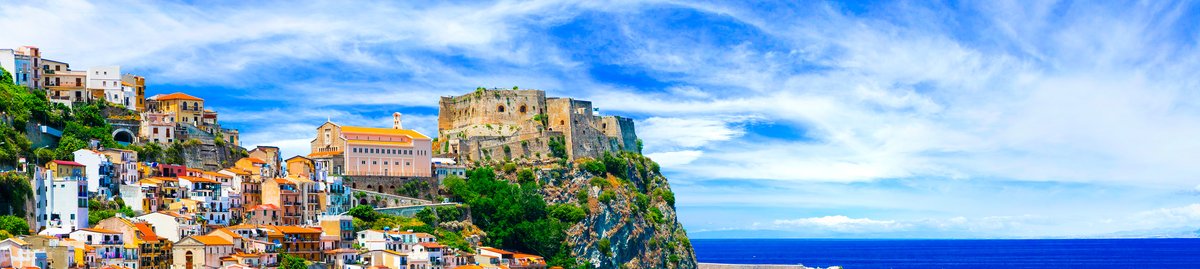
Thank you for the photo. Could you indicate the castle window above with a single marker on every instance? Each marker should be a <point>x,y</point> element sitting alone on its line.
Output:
<point>522,109</point>
<point>562,122</point>
<point>500,109</point>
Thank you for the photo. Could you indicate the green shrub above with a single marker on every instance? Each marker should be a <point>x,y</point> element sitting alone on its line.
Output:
<point>567,213</point>
<point>526,176</point>
<point>592,166</point>
<point>605,247</point>
<point>656,215</point>
<point>509,168</point>
<point>582,195</point>
<point>599,182</point>
<point>607,196</point>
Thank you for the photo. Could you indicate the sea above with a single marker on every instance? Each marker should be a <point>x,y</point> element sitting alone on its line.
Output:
<point>921,253</point>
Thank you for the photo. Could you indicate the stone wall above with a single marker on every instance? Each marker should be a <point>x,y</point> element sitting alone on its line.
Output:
<point>390,185</point>
<point>478,126</point>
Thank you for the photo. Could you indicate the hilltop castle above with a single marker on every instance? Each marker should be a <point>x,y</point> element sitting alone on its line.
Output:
<point>525,124</point>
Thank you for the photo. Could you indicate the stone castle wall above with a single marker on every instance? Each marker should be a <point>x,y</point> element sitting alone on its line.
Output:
<point>478,126</point>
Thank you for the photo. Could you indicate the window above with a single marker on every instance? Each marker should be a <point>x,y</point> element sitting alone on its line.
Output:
<point>499,108</point>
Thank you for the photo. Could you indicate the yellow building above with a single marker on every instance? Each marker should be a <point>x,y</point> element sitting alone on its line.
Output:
<point>186,108</point>
<point>139,87</point>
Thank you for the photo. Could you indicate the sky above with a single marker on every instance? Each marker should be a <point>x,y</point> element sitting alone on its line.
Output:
<point>863,119</point>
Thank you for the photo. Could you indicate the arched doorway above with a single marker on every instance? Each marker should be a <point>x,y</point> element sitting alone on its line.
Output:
<point>188,259</point>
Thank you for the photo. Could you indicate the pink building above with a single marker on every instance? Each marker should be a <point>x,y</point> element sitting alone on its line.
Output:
<point>367,151</point>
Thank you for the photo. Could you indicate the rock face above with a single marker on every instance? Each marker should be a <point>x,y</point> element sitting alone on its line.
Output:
<point>630,219</point>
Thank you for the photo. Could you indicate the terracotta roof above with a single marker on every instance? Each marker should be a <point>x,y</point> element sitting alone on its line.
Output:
<point>243,226</point>
<point>61,162</point>
<point>254,160</point>
<point>211,240</point>
<point>284,181</point>
<point>146,232</point>
<point>323,154</point>
<point>98,230</point>
<point>247,255</point>
<point>526,256</point>
<point>296,230</point>
<point>236,170</point>
<point>226,231</point>
<point>215,174</point>
<point>378,143</point>
<point>469,266</point>
<point>198,179</point>
<point>496,250</point>
<point>340,250</point>
<point>300,157</point>
<point>178,96</point>
<point>383,131</point>
<point>431,245</point>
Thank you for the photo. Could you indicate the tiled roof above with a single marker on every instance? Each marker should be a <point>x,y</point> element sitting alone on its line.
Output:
<point>199,180</point>
<point>226,231</point>
<point>323,154</point>
<point>254,160</point>
<point>496,250</point>
<point>378,143</point>
<point>146,232</point>
<point>296,230</point>
<point>178,96</point>
<point>61,162</point>
<point>98,230</point>
<point>431,245</point>
<point>215,174</point>
<point>340,250</point>
<point>211,240</point>
<point>526,256</point>
<point>383,131</point>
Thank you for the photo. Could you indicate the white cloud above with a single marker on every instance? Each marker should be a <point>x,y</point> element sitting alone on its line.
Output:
<point>687,132</point>
<point>674,158</point>
<point>841,223</point>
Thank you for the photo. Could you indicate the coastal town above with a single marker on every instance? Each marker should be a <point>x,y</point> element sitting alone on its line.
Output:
<point>167,186</point>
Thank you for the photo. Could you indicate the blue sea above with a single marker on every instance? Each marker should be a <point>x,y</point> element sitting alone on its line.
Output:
<point>1043,253</point>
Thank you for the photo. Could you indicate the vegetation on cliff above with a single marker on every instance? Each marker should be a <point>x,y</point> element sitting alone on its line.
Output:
<point>613,212</point>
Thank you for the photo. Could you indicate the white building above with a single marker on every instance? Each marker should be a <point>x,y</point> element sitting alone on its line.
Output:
<point>171,225</point>
<point>108,245</point>
<point>106,79</point>
<point>97,170</point>
<point>61,198</point>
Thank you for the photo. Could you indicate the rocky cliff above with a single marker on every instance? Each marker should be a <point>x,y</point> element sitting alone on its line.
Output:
<point>630,220</point>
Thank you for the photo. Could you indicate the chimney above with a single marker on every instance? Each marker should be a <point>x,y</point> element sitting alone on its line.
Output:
<point>396,121</point>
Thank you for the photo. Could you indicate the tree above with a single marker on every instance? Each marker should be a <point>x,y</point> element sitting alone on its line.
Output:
<point>14,225</point>
<point>364,212</point>
<point>525,176</point>
<point>14,192</point>
<point>291,262</point>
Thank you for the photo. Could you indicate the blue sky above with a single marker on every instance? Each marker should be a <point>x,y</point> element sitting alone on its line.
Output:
<point>986,119</point>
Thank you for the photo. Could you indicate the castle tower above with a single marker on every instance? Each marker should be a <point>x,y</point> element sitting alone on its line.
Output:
<point>396,121</point>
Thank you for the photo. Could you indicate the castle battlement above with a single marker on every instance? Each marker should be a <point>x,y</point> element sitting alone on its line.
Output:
<point>523,123</point>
